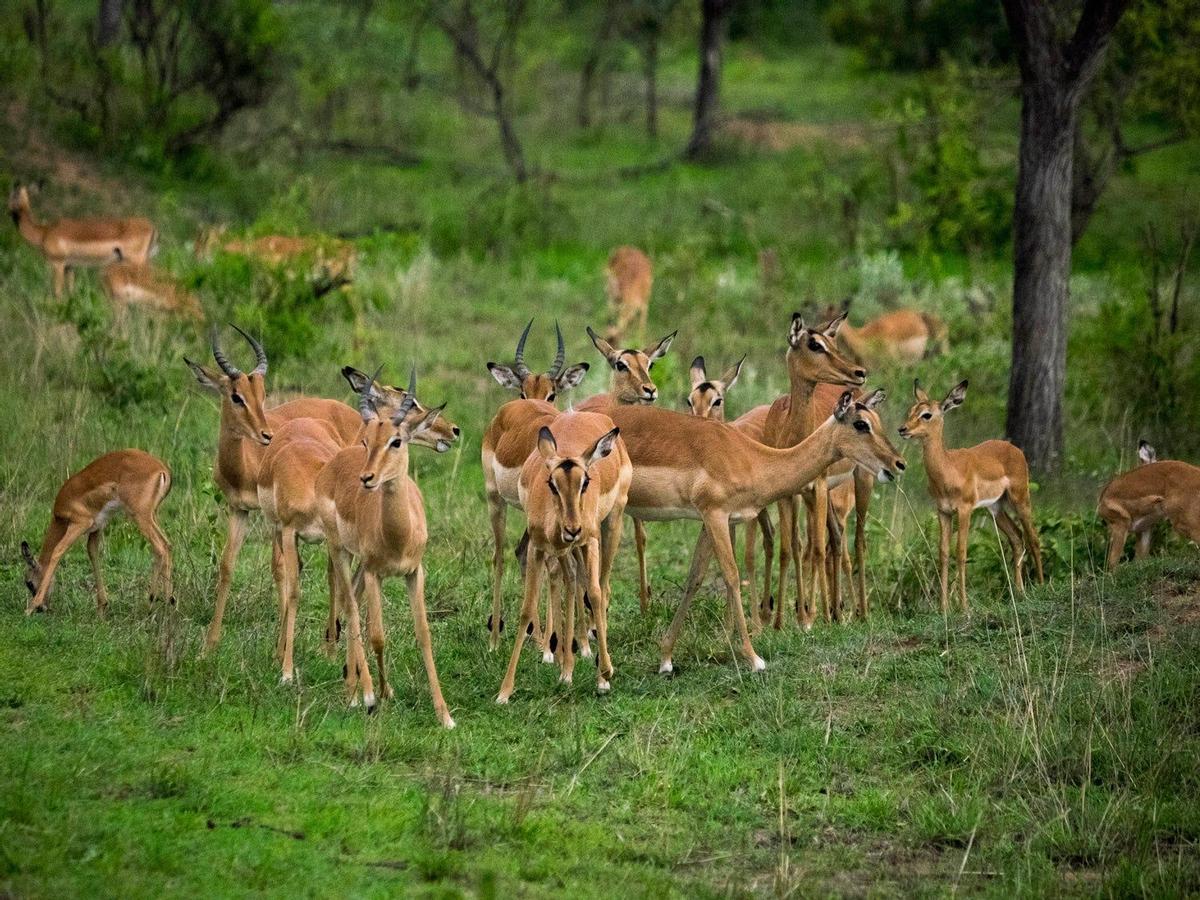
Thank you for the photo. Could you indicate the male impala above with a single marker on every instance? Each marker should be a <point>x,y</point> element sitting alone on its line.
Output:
<point>1153,492</point>
<point>993,475</point>
<point>628,278</point>
<point>685,467</point>
<point>71,243</point>
<point>132,481</point>
<point>140,284</point>
<point>372,511</point>
<point>812,358</point>
<point>904,336</point>
<point>533,386</point>
<point>576,479</point>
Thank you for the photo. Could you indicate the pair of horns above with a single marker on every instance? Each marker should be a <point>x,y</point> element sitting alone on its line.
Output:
<point>522,370</point>
<point>366,403</point>
<point>260,355</point>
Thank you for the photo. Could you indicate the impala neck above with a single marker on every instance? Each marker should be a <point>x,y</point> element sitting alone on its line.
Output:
<point>800,413</point>
<point>784,473</point>
<point>394,506</point>
<point>933,451</point>
<point>30,229</point>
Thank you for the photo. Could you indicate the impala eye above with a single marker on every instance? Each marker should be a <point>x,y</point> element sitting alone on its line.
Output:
<point>926,415</point>
<point>621,367</point>
<point>815,346</point>
<point>860,425</point>
<point>395,443</point>
<point>586,482</point>
<point>553,489</point>
<point>237,398</point>
<point>550,399</point>
<point>717,402</point>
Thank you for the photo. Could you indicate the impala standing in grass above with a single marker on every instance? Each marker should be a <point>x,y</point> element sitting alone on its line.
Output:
<point>1156,491</point>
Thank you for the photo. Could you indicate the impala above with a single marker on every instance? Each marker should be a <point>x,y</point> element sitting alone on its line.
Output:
<point>904,336</point>
<point>371,510</point>
<point>141,284</point>
<point>993,475</point>
<point>71,243</point>
<point>132,481</point>
<point>532,386</point>
<point>685,467</point>
<point>628,278</point>
<point>1156,491</point>
<point>332,261</point>
<point>576,479</point>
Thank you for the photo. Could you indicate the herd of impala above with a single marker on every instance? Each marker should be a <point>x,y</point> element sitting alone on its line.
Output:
<point>322,471</point>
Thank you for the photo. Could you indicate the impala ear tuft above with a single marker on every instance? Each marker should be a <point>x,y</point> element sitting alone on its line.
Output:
<point>697,373</point>
<point>796,330</point>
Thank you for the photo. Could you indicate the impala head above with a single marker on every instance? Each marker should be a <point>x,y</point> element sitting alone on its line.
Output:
<point>813,354</point>
<point>925,416</point>
<point>568,479</point>
<point>243,394</point>
<point>707,398</point>
<point>535,386</point>
<point>387,437</point>
<point>631,368</point>
<point>1146,453</point>
<point>863,438</point>
<point>33,570</point>
<point>387,400</point>
<point>18,202</point>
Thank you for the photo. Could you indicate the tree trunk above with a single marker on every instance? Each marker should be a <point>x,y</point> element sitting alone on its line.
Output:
<point>587,79</point>
<point>708,87</point>
<point>108,21</point>
<point>650,66</point>
<point>509,141</point>
<point>1041,271</point>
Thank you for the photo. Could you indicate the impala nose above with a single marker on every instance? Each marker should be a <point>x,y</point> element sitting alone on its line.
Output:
<point>367,479</point>
<point>570,535</point>
<point>900,465</point>
<point>903,429</point>
<point>456,431</point>
<point>265,436</point>
<point>650,392</point>
<point>860,374</point>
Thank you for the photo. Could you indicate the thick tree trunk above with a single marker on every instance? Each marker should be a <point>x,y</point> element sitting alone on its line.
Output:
<point>509,141</point>
<point>708,86</point>
<point>650,65</point>
<point>1041,271</point>
<point>108,21</point>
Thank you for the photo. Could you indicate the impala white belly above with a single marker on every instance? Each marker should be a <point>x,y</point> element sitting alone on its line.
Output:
<point>106,513</point>
<point>662,513</point>
<point>507,482</point>
<point>990,493</point>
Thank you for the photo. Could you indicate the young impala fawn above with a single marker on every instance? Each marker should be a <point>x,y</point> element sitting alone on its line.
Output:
<point>903,336</point>
<point>577,478</point>
<point>536,386</point>
<point>628,278</point>
<point>1140,498</point>
<point>287,496</point>
<point>132,481</point>
<point>372,511</point>
<point>993,475</point>
<point>70,243</point>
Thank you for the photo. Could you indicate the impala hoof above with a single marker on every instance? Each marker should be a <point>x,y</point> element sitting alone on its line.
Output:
<point>565,678</point>
<point>666,667</point>
<point>585,652</point>
<point>354,702</point>
<point>448,723</point>
<point>758,664</point>
<point>285,680</point>
<point>502,699</point>
<point>548,656</point>
<point>603,687</point>
<point>371,703</point>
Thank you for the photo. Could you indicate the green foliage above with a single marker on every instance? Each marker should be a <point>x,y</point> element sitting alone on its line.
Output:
<point>897,34</point>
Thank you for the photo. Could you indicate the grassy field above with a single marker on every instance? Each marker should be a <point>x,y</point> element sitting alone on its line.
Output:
<point>1047,745</point>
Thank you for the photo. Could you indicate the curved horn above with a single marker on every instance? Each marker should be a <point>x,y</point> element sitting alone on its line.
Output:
<point>560,356</point>
<point>519,363</point>
<point>366,405</point>
<point>410,400</point>
<point>222,360</point>
<point>260,355</point>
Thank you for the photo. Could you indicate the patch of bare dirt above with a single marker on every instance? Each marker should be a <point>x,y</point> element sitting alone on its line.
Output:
<point>1181,602</point>
<point>778,135</point>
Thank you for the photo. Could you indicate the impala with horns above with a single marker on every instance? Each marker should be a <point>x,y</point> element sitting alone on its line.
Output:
<point>287,496</point>
<point>69,244</point>
<point>903,336</point>
<point>131,481</point>
<point>573,488</point>
<point>372,511</point>
<point>628,277</point>
<point>685,467</point>
<point>993,475</point>
<point>534,386</point>
<point>1156,491</point>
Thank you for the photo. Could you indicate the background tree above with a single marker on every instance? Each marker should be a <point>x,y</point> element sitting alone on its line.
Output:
<point>714,15</point>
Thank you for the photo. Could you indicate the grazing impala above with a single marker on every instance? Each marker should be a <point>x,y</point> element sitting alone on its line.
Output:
<point>1153,492</point>
<point>993,475</point>
<point>372,511</point>
<point>685,467</point>
<point>141,284</point>
<point>904,336</point>
<point>331,262</point>
<point>576,479</point>
<point>628,278</point>
<point>71,243</point>
<point>532,386</point>
<point>128,480</point>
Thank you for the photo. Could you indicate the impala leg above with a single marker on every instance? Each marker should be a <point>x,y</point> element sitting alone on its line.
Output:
<point>863,488</point>
<point>333,624</point>
<point>160,547</point>
<point>290,554</point>
<point>549,635</point>
<point>373,594</point>
<point>58,271</point>
<point>789,543</point>
<point>1144,538</point>
<point>610,542</point>
<point>1013,534</point>
<point>416,600</point>
<point>533,588</point>
<point>279,576</point>
<point>1025,514</point>
<point>93,549</point>
<point>38,601</point>
<point>768,545</point>
<point>717,526</point>
<point>1118,530</point>
<point>750,574</point>
<point>639,539</point>
<point>233,546</point>
<point>818,538</point>
<point>964,528</point>
<point>944,525</point>
<point>700,557</point>
<point>604,666</point>
<point>555,579</point>
<point>355,670</point>
<point>498,513</point>
<point>584,620</point>
<point>567,578</point>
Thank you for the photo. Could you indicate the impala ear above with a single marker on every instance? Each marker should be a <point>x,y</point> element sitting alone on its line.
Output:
<point>918,393</point>
<point>571,377</point>
<point>956,397</point>
<point>697,373</point>
<point>602,448</point>
<point>546,444</point>
<point>845,403</point>
<point>430,417</point>
<point>27,554</point>
<point>205,378</point>
<point>831,328</point>
<point>1146,453</point>
<point>730,376</point>
<point>872,399</point>
<point>359,381</point>
<point>506,377</point>
<point>796,330</point>
<point>607,350</point>
<point>660,349</point>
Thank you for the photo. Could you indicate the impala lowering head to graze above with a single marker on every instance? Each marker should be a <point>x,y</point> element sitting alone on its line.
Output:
<point>993,474</point>
<point>70,243</point>
<point>131,481</point>
<point>1156,491</point>
<point>628,277</point>
<point>535,386</point>
<point>372,511</point>
<point>631,382</point>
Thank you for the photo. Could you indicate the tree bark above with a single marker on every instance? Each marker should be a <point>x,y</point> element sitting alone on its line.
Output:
<point>108,21</point>
<point>714,15</point>
<point>650,68</point>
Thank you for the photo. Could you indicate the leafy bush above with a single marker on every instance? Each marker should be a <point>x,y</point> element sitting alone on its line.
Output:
<point>899,34</point>
<point>504,220</point>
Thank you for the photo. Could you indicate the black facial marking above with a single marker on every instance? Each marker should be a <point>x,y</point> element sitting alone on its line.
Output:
<point>553,641</point>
